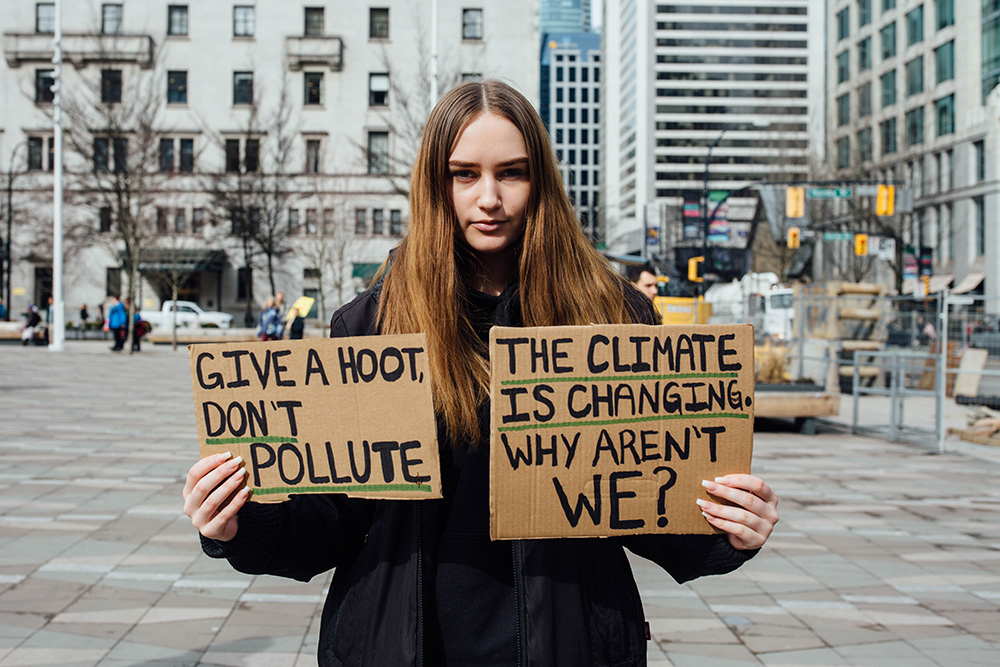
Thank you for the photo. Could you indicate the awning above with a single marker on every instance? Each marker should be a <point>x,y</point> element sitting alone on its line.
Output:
<point>968,283</point>
<point>938,283</point>
<point>185,260</point>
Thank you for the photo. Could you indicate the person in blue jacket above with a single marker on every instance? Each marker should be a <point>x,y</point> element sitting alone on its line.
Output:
<point>118,323</point>
<point>493,240</point>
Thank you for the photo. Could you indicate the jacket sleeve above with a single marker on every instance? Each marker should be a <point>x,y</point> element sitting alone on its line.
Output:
<point>687,557</point>
<point>310,533</point>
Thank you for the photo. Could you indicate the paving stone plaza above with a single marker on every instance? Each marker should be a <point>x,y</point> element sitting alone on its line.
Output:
<point>886,554</point>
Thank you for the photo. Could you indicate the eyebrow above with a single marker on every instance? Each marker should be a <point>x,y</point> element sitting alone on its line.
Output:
<point>505,163</point>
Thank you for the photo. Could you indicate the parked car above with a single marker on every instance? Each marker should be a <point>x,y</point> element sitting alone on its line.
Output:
<point>189,314</point>
<point>989,340</point>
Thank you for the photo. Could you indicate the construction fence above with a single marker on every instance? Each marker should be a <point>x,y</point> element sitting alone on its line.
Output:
<point>922,369</point>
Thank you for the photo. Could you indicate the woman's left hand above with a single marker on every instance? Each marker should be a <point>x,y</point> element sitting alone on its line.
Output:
<point>751,518</point>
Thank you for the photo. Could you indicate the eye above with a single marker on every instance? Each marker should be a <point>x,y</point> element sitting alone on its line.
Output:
<point>513,172</point>
<point>463,174</point>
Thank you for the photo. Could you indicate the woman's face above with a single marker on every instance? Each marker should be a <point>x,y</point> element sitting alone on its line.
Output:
<point>490,186</point>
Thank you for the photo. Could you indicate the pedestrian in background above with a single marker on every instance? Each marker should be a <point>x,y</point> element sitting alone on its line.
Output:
<point>32,320</point>
<point>296,325</point>
<point>118,323</point>
<point>84,316</point>
<point>492,240</point>
<point>3,311</point>
<point>643,277</point>
<point>269,325</point>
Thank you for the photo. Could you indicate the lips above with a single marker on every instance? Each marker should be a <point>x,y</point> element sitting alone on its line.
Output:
<point>488,225</point>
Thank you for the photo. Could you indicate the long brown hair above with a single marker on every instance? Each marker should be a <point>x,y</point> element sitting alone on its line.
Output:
<point>562,279</point>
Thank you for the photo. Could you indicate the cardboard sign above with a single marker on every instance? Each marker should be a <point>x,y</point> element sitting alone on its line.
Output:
<point>337,415</point>
<point>610,430</point>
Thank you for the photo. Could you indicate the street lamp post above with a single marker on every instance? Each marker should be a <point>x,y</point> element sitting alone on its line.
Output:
<point>705,221</point>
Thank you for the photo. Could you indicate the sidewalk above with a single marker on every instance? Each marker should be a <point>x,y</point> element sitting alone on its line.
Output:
<point>886,553</point>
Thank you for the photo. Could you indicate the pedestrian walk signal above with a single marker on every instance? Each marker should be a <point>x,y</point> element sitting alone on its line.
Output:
<point>885,200</point>
<point>795,201</point>
<point>860,244</point>
<point>794,238</point>
<point>694,269</point>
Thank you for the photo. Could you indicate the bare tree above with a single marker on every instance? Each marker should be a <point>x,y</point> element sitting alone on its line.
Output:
<point>254,188</point>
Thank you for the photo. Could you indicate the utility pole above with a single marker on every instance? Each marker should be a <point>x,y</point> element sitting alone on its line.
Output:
<point>5,260</point>
<point>57,332</point>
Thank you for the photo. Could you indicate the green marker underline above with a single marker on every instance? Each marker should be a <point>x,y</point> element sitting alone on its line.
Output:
<point>348,488</point>
<point>237,441</point>
<point>632,420</point>
<point>619,378</point>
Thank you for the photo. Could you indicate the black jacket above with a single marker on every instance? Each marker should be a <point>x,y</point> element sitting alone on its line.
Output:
<point>420,583</point>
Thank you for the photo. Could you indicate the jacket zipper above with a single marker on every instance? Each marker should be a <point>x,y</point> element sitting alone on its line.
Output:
<point>420,588</point>
<point>517,600</point>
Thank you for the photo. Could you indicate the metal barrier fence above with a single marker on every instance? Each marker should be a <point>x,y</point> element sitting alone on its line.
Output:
<point>860,340</point>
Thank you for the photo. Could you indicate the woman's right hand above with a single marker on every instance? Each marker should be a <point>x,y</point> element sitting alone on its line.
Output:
<point>209,482</point>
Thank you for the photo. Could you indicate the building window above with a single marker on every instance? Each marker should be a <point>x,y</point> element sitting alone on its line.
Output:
<point>313,88</point>
<point>843,66</point>
<point>888,131</point>
<point>35,156</point>
<point>104,219</point>
<point>161,220</point>
<point>251,155</point>
<point>843,110</point>
<point>378,152</point>
<point>111,86</point>
<point>360,221</point>
<point>177,87</point>
<point>395,222</point>
<point>980,150</point>
<point>945,13</point>
<point>312,156</point>
<point>915,76</point>
<point>243,21</point>
<point>329,221</point>
<point>166,154</point>
<point>888,88</point>
<point>187,155</point>
<point>312,221</point>
<point>315,22</point>
<point>45,79</point>
<point>111,19</point>
<point>915,126</point>
<point>888,34</point>
<point>180,221</point>
<point>177,20</point>
<point>242,88</point>
<point>472,76</point>
<point>378,90</point>
<point>378,23</point>
<point>45,18</point>
<point>944,60</point>
<point>864,12</point>
<point>843,153</point>
<point>120,145</point>
<point>843,23</point>
<point>197,220</point>
<point>980,226</point>
<point>944,111</point>
<point>102,150</point>
<point>865,100</point>
<point>113,281</point>
<point>865,144</point>
<point>915,26</point>
<point>472,24</point>
<point>378,219</point>
<point>865,54</point>
<point>293,221</point>
<point>888,4</point>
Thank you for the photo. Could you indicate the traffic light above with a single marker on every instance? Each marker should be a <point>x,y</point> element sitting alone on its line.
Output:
<point>694,269</point>
<point>795,201</point>
<point>885,200</point>
<point>794,237</point>
<point>860,244</point>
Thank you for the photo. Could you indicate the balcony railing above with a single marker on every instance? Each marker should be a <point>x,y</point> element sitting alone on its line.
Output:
<point>314,51</point>
<point>79,50</point>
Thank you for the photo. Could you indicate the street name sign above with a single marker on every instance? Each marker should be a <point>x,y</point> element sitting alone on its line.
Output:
<point>829,193</point>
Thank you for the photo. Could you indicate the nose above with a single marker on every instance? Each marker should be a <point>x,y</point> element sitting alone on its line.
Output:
<point>489,193</point>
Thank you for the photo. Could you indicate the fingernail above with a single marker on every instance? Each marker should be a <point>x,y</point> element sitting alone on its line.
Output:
<point>707,484</point>
<point>707,516</point>
<point>719,479</point>
<point>225,456</point>
<point>238,460</point>
<point>701,503</point>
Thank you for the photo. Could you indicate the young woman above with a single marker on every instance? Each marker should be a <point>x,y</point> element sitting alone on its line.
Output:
<point>492,241</point>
